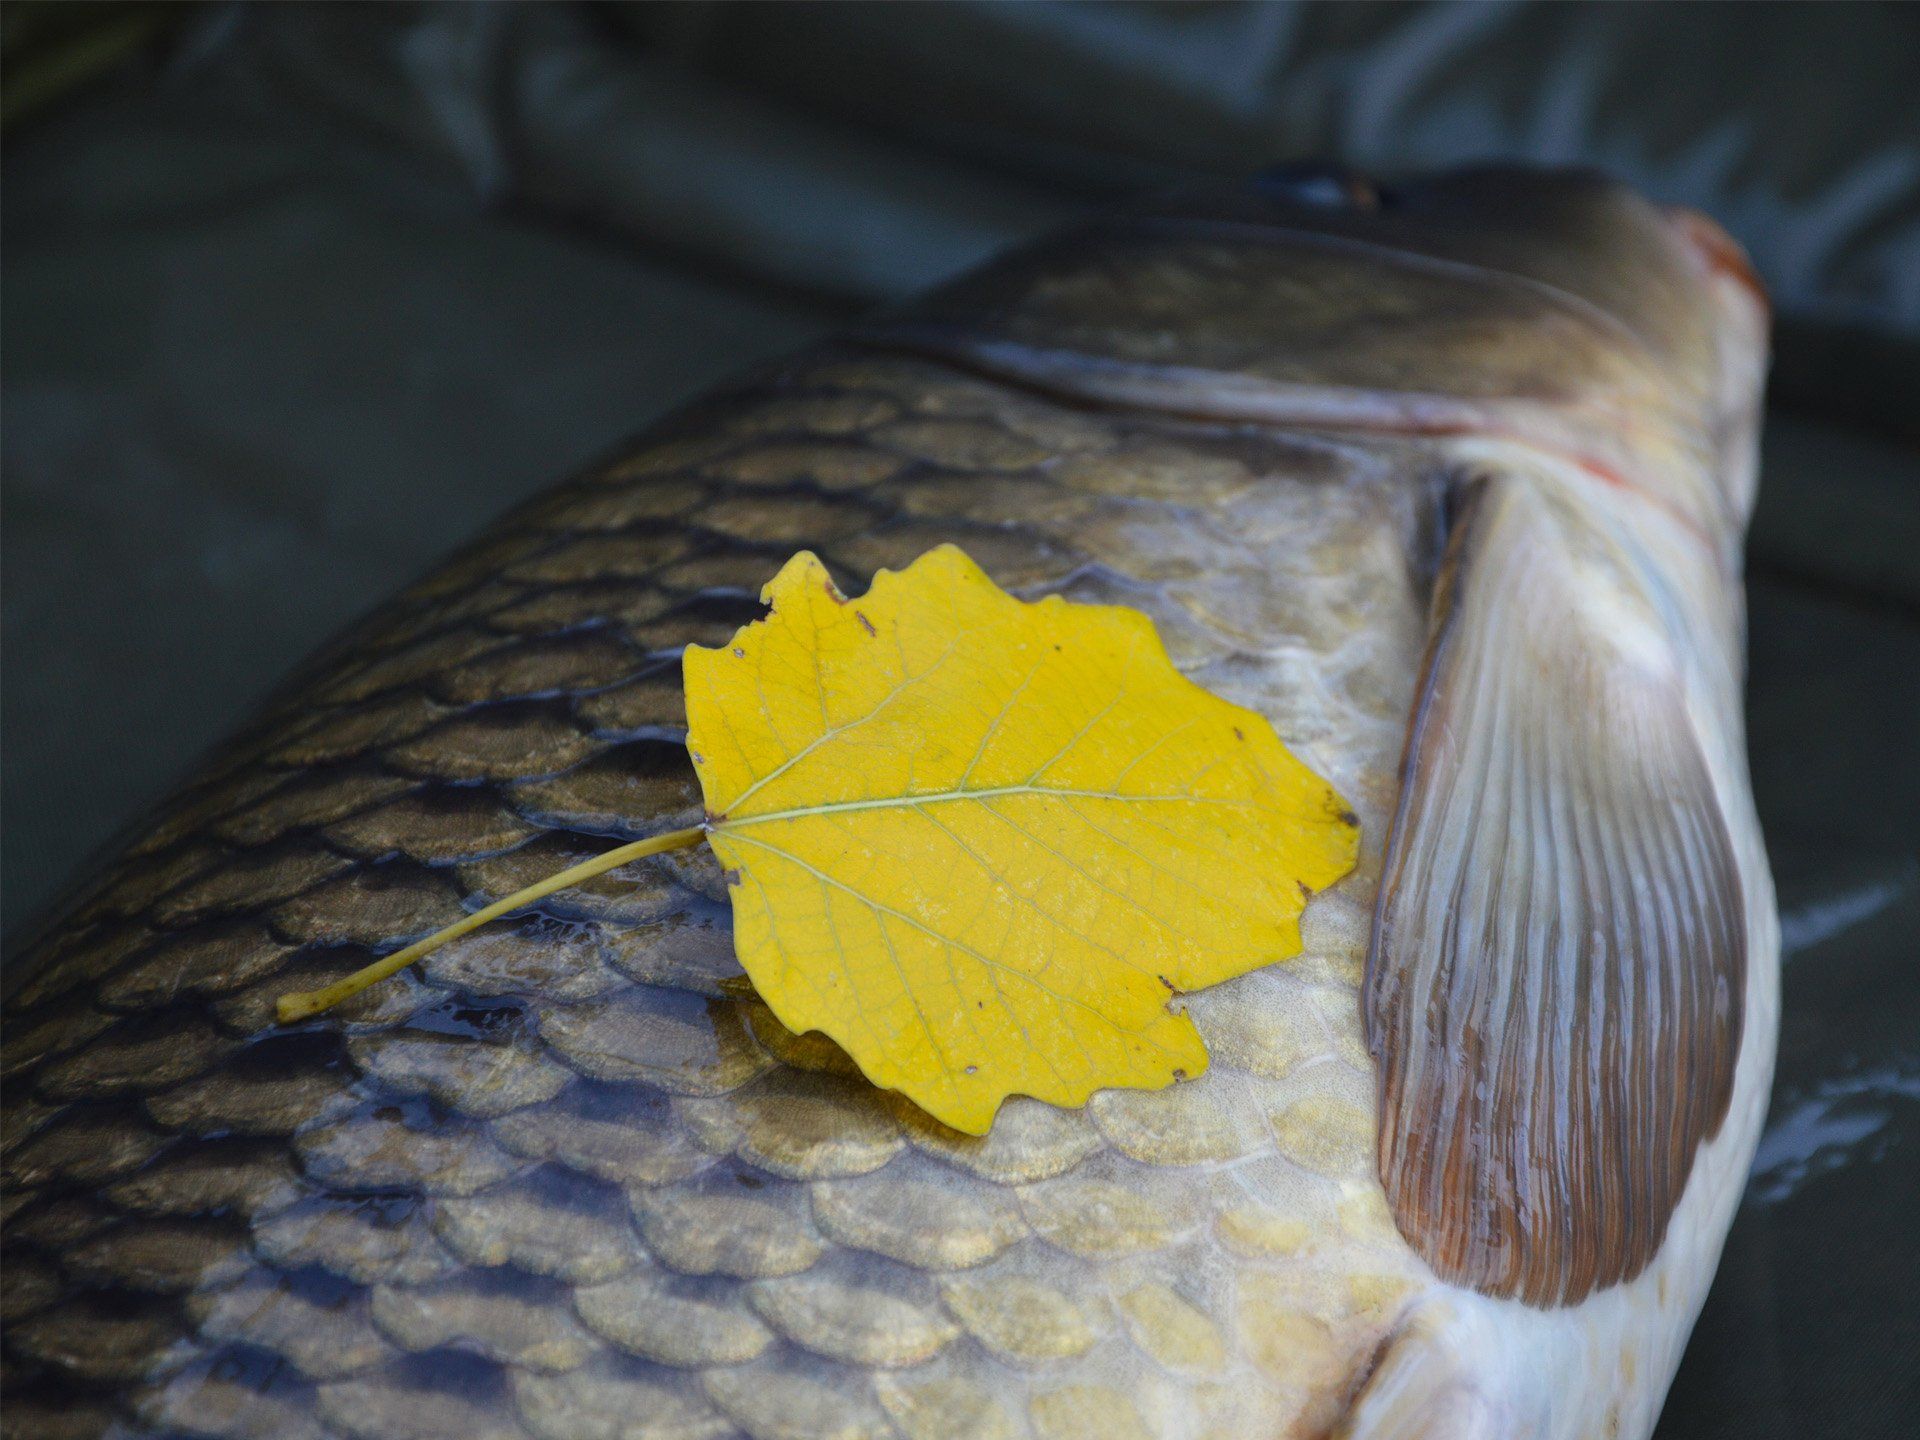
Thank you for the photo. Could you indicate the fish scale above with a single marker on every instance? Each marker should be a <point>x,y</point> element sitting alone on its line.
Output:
<point>640,1197</point>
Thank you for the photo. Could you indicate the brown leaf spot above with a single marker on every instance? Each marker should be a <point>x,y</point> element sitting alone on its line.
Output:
<point>865,623</point>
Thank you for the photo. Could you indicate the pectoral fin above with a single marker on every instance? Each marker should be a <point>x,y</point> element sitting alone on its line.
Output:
<point>1554,990</point>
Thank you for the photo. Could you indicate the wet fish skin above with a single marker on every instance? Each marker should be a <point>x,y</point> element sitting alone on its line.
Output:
<point>516,1146</point>
<point>571,1176</point>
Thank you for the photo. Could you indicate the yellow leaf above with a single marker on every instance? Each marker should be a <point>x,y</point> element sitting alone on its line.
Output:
<point>981,843</point>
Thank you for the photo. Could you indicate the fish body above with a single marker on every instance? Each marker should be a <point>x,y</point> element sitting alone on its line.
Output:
<point>1447,482</point>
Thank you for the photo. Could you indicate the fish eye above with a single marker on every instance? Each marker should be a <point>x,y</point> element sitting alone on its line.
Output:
<point>1323,184</point>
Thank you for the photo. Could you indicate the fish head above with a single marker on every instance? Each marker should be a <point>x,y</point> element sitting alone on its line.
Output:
<point>1550,306</point>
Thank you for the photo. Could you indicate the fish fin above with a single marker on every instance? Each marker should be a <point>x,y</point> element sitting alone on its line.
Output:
<point>1554,987</point>
<point>1418,1386</point>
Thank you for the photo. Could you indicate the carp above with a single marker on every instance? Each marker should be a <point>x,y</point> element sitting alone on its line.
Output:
<point>1447,479</point>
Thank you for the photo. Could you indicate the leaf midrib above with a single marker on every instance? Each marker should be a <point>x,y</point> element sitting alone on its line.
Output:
<point>731,821</point>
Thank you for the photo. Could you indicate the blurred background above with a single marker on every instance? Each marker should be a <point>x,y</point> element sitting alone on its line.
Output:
<point>293,299</point>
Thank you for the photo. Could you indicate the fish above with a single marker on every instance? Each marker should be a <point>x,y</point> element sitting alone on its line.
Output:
<point>1446,478</point>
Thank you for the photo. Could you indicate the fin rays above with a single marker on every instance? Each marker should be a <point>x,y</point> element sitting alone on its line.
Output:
<point>1553,993</point>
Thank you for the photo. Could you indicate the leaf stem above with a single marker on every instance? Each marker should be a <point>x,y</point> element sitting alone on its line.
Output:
<point>312,1002</point>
